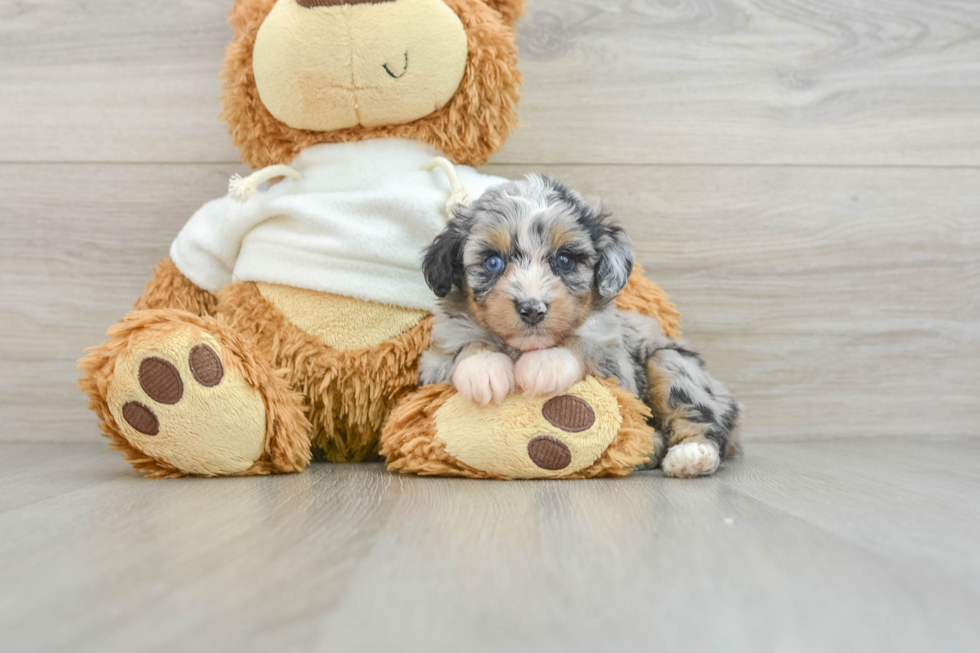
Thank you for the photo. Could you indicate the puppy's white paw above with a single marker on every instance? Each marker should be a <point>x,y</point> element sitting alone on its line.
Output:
<point>548,372</point>
<point>689,459</point>
<point>485,377</point>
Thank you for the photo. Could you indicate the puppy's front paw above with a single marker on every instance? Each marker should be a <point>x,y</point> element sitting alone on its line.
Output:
<point>548,372</point>
<point>689,459</point>
<point>485,377</point>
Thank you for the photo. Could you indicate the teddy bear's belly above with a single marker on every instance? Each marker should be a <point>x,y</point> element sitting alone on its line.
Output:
<point>342,323</point>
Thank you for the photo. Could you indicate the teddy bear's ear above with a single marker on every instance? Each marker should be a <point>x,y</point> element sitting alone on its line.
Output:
<point>247,15</point>
<point>511,10</point>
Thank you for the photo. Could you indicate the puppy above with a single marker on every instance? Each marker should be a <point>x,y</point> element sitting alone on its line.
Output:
<point>527,278</point>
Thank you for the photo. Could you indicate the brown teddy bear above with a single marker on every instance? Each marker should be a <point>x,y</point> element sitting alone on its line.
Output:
<point>290,317</point>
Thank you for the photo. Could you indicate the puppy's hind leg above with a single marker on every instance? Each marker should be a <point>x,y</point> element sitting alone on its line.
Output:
<point>696,413</point>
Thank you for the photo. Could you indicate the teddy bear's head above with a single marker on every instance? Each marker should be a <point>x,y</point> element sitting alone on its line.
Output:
<point>302,72</point>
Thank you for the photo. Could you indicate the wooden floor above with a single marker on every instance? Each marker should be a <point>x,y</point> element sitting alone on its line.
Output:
<point>808,546</point>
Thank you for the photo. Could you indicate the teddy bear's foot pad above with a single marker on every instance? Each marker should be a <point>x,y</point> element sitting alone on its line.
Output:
<point>595,429</point>
<point>161,381</point>
<point>571,415</point>
<point>531,438</point>
<point>179,394</point>
<point>175,401</point>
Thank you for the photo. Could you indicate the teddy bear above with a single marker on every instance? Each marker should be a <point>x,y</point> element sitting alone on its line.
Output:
<point>288,321</point>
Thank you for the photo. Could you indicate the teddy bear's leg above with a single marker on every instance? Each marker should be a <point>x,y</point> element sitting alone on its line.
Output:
<point>697,414</point>
<point>180,394</point>
<point>349,372</point>
<point>595,429</point>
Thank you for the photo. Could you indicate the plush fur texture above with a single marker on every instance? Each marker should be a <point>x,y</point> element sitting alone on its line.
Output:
<point>469,128</point>
<point>169,288</point>
<point>411,443</point>
<point>510,10</point>
<point>286,447</point>
<point>348,394</point>
<point>508,439</point>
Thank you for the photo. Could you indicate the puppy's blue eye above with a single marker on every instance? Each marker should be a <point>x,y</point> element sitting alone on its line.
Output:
<point>564,262</point>
<point>494,264</point>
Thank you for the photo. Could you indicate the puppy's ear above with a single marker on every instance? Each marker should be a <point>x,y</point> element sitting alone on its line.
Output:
<point>615,261</point>
<point>443,261</point>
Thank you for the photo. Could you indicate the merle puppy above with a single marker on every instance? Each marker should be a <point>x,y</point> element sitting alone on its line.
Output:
<point>527,277</point>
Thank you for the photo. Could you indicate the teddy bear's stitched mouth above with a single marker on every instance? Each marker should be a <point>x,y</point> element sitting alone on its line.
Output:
<point>393,75</point>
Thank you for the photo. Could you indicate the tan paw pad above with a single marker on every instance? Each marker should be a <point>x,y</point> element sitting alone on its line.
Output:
<point>532,438</point>
<point>176,401</point>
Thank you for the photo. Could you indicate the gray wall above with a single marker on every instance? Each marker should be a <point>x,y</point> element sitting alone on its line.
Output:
<point>803,178</point>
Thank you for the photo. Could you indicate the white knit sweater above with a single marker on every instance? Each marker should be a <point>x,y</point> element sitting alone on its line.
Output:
<point>355,225</point>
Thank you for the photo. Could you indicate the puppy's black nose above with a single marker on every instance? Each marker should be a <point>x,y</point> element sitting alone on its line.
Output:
<point>532,311</point>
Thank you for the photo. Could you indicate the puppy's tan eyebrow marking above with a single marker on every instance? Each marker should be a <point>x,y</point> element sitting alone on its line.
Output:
<point>499,239</point>
<point>559,236</point>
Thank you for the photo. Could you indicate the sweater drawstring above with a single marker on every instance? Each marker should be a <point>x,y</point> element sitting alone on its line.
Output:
<point>242,189</point>
<point>459,196</point>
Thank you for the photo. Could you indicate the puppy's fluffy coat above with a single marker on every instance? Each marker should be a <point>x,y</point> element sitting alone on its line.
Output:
<point>527,277</point>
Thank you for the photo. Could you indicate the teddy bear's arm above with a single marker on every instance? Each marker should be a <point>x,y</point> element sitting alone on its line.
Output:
<point>169,288</point>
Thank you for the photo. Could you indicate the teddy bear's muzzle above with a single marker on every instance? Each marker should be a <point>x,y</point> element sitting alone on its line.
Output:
<point>323,65</point>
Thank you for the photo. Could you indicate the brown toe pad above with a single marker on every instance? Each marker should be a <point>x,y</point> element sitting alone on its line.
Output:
<point>549,453</point>
<point>568,413</point>
<point>206,366</point>
<point>161,381</point>
<point>141,418</point>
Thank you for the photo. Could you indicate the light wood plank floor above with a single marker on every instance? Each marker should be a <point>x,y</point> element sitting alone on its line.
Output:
<point>809,546</point>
